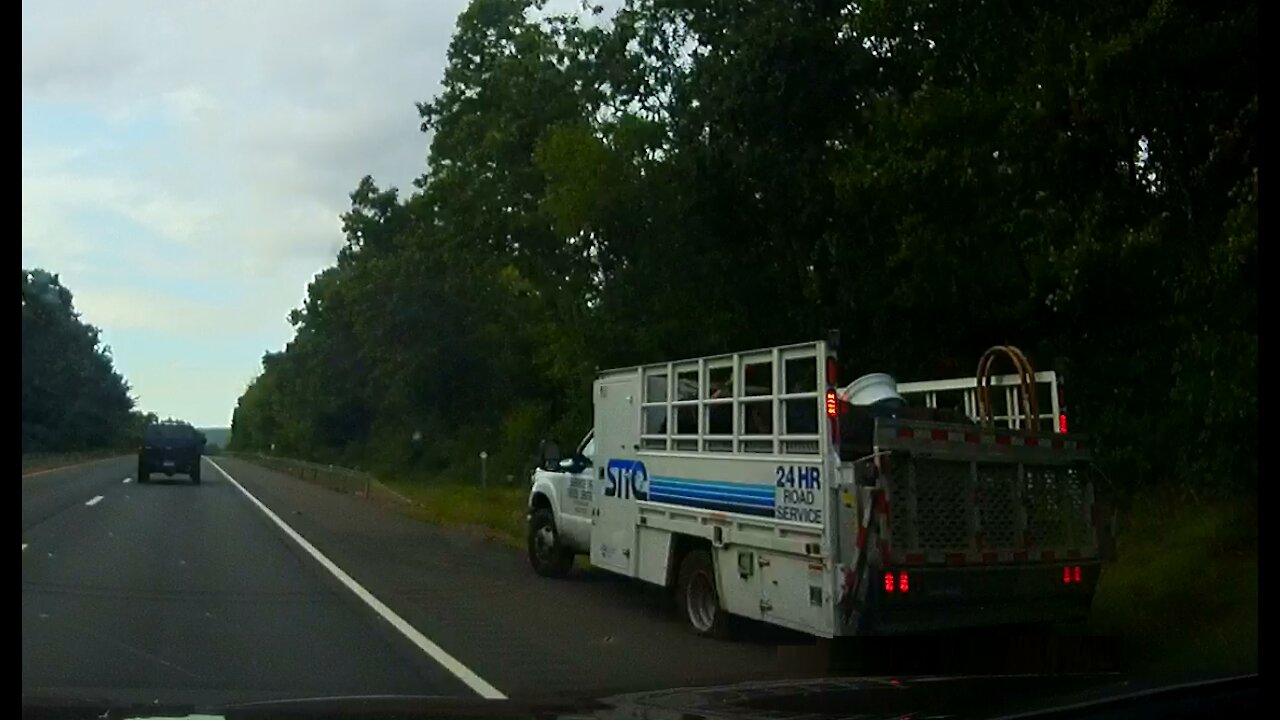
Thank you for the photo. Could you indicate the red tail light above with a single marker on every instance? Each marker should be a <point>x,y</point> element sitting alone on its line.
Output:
<point>1066,575</point>
<point>832,401</point>
<point>897,582</point>
<point>1062,410</point>
<point>1076,573</point>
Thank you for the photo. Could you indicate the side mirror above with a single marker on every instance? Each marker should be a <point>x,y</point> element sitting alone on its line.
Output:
<point>567,464</point>
<point>549,454</point>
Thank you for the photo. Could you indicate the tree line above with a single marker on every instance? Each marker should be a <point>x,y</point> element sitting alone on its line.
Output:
<point>73,399</point>
<point>698,176</point>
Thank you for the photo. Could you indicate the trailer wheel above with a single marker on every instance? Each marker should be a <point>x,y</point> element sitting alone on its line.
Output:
<point>697,597</point>
<point>548,557</point>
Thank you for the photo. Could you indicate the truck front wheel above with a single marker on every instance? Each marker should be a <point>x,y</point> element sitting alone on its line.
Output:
<point>548,557</point>
<point>697,597</point>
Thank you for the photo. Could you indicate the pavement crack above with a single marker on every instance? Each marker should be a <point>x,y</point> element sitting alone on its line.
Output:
<point>136,651</point>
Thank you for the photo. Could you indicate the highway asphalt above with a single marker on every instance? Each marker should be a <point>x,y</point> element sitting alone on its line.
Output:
<point>255,585</point>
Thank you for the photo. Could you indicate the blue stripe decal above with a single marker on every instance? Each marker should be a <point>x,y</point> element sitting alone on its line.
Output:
<point>725,507</point>
<point>753,499</point>
<point>717,483</point>
<point>761,494</point>
<point>711,496</point>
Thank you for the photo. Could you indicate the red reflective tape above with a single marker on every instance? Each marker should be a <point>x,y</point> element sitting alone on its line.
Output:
<point>938,435</point>
<point>1020,555</point>
<point>990,557</point>
<point>1031,441</point>
<point>905,432</point>
<point>862,537</point>
<point>1002,439</point>
<point>1048,555</point>
<point>1056,444</point>
<point>914,558</point>
<point>955,558</point>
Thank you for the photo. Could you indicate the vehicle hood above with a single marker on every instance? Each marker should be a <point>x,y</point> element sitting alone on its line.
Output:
<point>917,698</point>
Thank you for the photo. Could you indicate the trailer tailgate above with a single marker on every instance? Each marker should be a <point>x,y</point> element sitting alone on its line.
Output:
<point>964,495</point>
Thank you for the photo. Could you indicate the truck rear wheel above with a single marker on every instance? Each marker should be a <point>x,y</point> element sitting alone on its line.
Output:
<point>697,597</point>
<point>546,553</point>
<point>195,474</point>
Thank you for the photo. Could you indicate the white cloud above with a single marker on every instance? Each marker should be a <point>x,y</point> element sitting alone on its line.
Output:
<point>227,136</point>
<point>137,309</point>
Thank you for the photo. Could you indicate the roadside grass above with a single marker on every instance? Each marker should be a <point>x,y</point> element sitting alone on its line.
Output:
<point>1183,593</point>
<point>47,461</point>
<point>496,511</point>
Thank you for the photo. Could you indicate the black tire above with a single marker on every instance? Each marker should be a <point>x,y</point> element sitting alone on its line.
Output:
<point>143,475</point>
<point>698,599</point>
<point>548,557</point>
<point>195,475</point>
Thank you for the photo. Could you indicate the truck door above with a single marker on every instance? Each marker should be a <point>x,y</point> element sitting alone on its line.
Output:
<point>576,506</point>
<point>620,477</point>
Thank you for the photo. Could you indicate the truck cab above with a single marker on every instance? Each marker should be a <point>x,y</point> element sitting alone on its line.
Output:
<point>560,507</point>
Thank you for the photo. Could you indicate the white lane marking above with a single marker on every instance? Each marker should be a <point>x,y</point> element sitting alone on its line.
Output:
<point>450,663</point>
<point>96,499</point>
<point>128,480</point>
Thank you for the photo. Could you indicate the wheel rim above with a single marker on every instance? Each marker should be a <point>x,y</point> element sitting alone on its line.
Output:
<point>700,599</point>
<point>544,539</point>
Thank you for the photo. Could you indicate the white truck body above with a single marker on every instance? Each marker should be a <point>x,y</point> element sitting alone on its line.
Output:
<point>934,526</point>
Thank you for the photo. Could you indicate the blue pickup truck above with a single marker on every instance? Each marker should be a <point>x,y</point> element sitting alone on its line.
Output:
<point>170,448</point>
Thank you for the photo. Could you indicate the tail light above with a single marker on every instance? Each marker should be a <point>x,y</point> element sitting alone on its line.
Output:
<point>833,400</point>
<point>899,582</point>
<point>1062,411</point>
<point>1072,574</point>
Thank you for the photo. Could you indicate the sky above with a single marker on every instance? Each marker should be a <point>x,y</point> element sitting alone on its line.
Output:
<point>184,166</point>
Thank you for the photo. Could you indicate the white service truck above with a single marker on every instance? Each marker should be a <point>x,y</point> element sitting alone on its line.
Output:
<point>753,484</point>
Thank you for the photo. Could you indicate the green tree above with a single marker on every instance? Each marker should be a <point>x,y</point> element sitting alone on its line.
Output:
<point>72,397</point>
